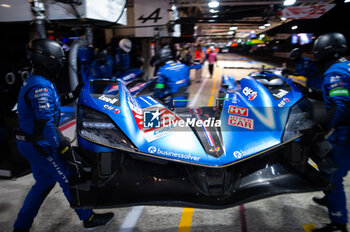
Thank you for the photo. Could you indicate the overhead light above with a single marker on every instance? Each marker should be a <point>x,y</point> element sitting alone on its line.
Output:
<point>211,20</point>
<point>261,35</point>
<point>346,1</point>
<point>294,27</point>
<point>230,32</point>
<point>288,2</point>
<point>261,27</point>
<point>213,4</point>
<point>233,28</point>
<point>215,16</point>
<point>5,5</point>
<point>213,11</point>
<point>252,32</point>
<point>267,24</point>
<point>283,19</point>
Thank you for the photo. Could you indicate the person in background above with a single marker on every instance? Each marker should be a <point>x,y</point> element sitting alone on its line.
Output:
<point>329,50</point>
<point>86,54</point>
<point>102,66</point>
<point>172,78</point>
<point>199,57</point>
<point>38,137</point>
<point>212,58</point>
<point>122,56</point>
<point>304,66</point>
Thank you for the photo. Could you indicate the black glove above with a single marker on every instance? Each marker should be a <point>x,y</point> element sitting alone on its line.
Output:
<point>65,149</point>
<point>313,93</point>
<point>76,91</point>
<point>312,135</point>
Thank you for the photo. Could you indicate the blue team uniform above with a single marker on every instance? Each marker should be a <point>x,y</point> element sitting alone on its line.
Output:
<point>335,89</point>
<point>122,61</point>
<point>308,69</point>
<point>85,55</point>
<point>172,77</point>
<point>39,113</point>
<point>98,70</point>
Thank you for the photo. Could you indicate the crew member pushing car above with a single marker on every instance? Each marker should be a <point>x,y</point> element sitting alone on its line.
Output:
<point>38,138</point>
<point>329,50</point>
<point>173,78</point>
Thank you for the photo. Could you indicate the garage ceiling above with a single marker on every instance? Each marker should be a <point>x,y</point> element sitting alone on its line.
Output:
<point>247,16</point>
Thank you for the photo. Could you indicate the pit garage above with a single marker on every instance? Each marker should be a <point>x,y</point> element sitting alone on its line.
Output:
<point>246,170</point>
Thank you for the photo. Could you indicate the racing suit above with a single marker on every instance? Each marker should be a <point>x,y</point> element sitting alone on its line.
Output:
<point>173,78</point>
<point>122,61</point>
<point>38,140</point>
<point>336,95</point>
<point>105,70</point>
<point>308,69</point>
<point>85,56</point>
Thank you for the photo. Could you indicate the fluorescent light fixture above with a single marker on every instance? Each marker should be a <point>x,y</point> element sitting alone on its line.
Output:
<point>288,2</point>
<point>294,27</point>
<point>211,20</point>
<point>267,24</point>
<point>215,16</point>
<point>252,32</point>
<point>233,28</point>
<point>213,4</point>
<point>5,5</point>
<point>261,27</point>
<point>346,1</point>
<point>283,19</point>
<point>230,32</point>
<point>261,35</point>
<point>213,11</point>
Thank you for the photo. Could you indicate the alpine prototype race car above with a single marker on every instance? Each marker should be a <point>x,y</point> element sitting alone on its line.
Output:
<point>243,149</point>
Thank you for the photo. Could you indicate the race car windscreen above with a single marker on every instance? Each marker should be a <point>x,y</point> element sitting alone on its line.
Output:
<point>275,85</point>
<point>107,91</point>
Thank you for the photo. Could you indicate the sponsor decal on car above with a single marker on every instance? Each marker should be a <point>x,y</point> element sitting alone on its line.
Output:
<point>334,79</point>
<point>251,94</point>
<point>112,108</point>
<point>151,119</point>
<point>238,110</point>
<point>237,154</point>
<point>173,154</point>
<point>283,102</point>
<point>246,123</point>
<point>281,93</point>
<point>108,100</point>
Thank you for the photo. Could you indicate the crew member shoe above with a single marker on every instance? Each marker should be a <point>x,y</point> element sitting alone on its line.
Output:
<point>20,230</point>
<point>97,220</point>
<point>321,201</point>
<point>333,227</point>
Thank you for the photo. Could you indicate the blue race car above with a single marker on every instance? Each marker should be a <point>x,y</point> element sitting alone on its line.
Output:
<point>243,149</point>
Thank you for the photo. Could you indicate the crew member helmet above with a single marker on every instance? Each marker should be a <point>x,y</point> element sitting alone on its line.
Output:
<point>329,46</point>
<point>46,56</point>
<point>125,44</point>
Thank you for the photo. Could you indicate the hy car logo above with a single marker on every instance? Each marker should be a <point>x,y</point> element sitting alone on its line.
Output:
<point>152,149</point>
<point>151,119</point>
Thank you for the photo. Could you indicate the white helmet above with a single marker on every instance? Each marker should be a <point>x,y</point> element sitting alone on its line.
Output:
<point>125,45</point>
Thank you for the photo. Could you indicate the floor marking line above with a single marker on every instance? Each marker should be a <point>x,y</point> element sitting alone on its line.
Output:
<point>195,99</point>
<point>213,89</point>
<point>309,227</point>
<point>186,220</point>
<point>131,219</point>
<point>243,219</point>
<point>67,125</point>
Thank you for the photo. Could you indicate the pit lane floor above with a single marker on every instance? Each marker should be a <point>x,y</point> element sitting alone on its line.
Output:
<point>287,213</point>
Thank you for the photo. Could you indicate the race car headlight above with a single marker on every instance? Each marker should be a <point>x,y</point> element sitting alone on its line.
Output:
<point>99,128</point>
<point>299,119</point>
